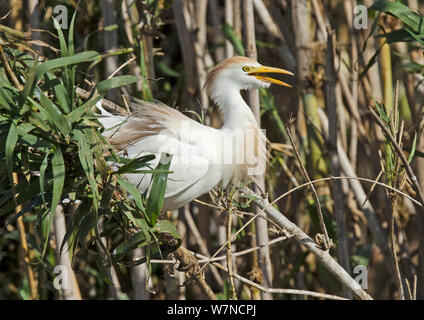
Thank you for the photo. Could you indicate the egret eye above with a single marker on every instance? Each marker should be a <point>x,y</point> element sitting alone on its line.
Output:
<point>246,69</point>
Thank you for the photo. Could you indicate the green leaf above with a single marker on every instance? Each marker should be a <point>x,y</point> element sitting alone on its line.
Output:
<point>116,82</point>
<point>232,37</point>
<point>6,98</point>
<point>131,189</point>
<point>54,116</point>
<point>58,168</point>
<point>85,56</point>
<point>111,27</point>
<point>147,93</point>
<point>82,210</point>
<point>138,222</point>
<point>77,114</point>
<point>156,197</point>
<point>25,194</point>
<point>60,91</point>
<point>71,46</point>
<point>166,226</point>
<point>402,12</point>
<point>86,158</point>
<point>62,42</point>
<point>414,146</point>
<point>383,114</point>
<point>136,240</point>
<point>28,88</point>
<point>43,168</point>
<point>36,202</point>
<point>11,140</point>
<point>136,163</point>
<point>167,70</point>
<point>101,268</point>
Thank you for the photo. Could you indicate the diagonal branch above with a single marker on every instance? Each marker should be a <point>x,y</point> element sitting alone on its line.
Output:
<point>329,263</point>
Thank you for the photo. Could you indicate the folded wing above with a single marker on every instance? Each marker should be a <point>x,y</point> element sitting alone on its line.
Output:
<point>155,128</point>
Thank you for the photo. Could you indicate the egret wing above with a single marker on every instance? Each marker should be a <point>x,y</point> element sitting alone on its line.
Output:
<point>186,171</point>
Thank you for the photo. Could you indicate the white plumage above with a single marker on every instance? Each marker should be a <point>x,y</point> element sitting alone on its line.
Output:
<point>203,157</point>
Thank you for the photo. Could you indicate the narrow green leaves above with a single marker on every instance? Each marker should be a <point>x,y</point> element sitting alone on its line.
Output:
<point>232,37</point>
<point>86,158</point>
<point>156,197</point>
<point>58,168</point>
<point>43,168</point>
<point>134,192</point>
<point>11,140</point>
<point>85,56</point>
<point>402,12</point>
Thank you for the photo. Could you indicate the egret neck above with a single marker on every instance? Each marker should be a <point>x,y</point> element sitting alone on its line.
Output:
<point>236,112</point>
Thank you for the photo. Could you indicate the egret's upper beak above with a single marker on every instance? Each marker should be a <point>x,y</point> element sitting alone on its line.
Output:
<point>262,69</point>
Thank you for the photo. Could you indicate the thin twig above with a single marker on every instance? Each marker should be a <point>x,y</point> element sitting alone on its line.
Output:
<point>121,67</point>
<point>327,242</point>
<point>200,241</point>
<point>9,71</point>
<point>393,246</point>
<point>302,186</point>
<point>221,258</point>
<point>229,259</point>
<point>107,104</point>
<point>276,290</point>
<point>329,263</point>
<point>307,293</point>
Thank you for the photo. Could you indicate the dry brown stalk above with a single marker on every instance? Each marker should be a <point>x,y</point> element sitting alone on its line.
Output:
<point>189,264</point>
<point>24,247</point>
<point>330,95</point>
<point>264,259</point>
<point>233,294</point>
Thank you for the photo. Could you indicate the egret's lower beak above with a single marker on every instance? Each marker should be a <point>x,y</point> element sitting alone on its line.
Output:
<point>259,70</point>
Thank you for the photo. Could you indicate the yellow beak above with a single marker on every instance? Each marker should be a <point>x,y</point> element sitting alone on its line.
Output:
<point>257,71</point>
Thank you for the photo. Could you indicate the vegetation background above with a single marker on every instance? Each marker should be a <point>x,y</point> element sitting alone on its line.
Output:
<point>356,111</point>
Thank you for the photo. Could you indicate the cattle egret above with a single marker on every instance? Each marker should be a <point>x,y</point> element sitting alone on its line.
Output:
<point>202,157</point>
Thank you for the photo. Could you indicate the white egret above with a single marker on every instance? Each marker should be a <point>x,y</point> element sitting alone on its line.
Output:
<point>203,157</point>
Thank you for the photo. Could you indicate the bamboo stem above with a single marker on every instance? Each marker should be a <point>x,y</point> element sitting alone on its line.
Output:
<point>253,98</point>
<point>330,95</point>
<point>72,292</point>
<point>24,246</point>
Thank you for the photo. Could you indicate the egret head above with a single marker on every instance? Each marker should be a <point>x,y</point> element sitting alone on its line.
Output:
<point>241,73</point>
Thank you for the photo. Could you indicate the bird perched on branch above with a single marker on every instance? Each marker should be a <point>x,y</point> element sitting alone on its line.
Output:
<point>202,157</point>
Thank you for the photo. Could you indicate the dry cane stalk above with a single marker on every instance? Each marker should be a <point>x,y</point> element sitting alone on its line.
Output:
<point>233,295</point>
<point>72,292</point>
<point>24,246</point>
<point>334,158</point>
<point>189,264</point>
<point>261,224</point>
